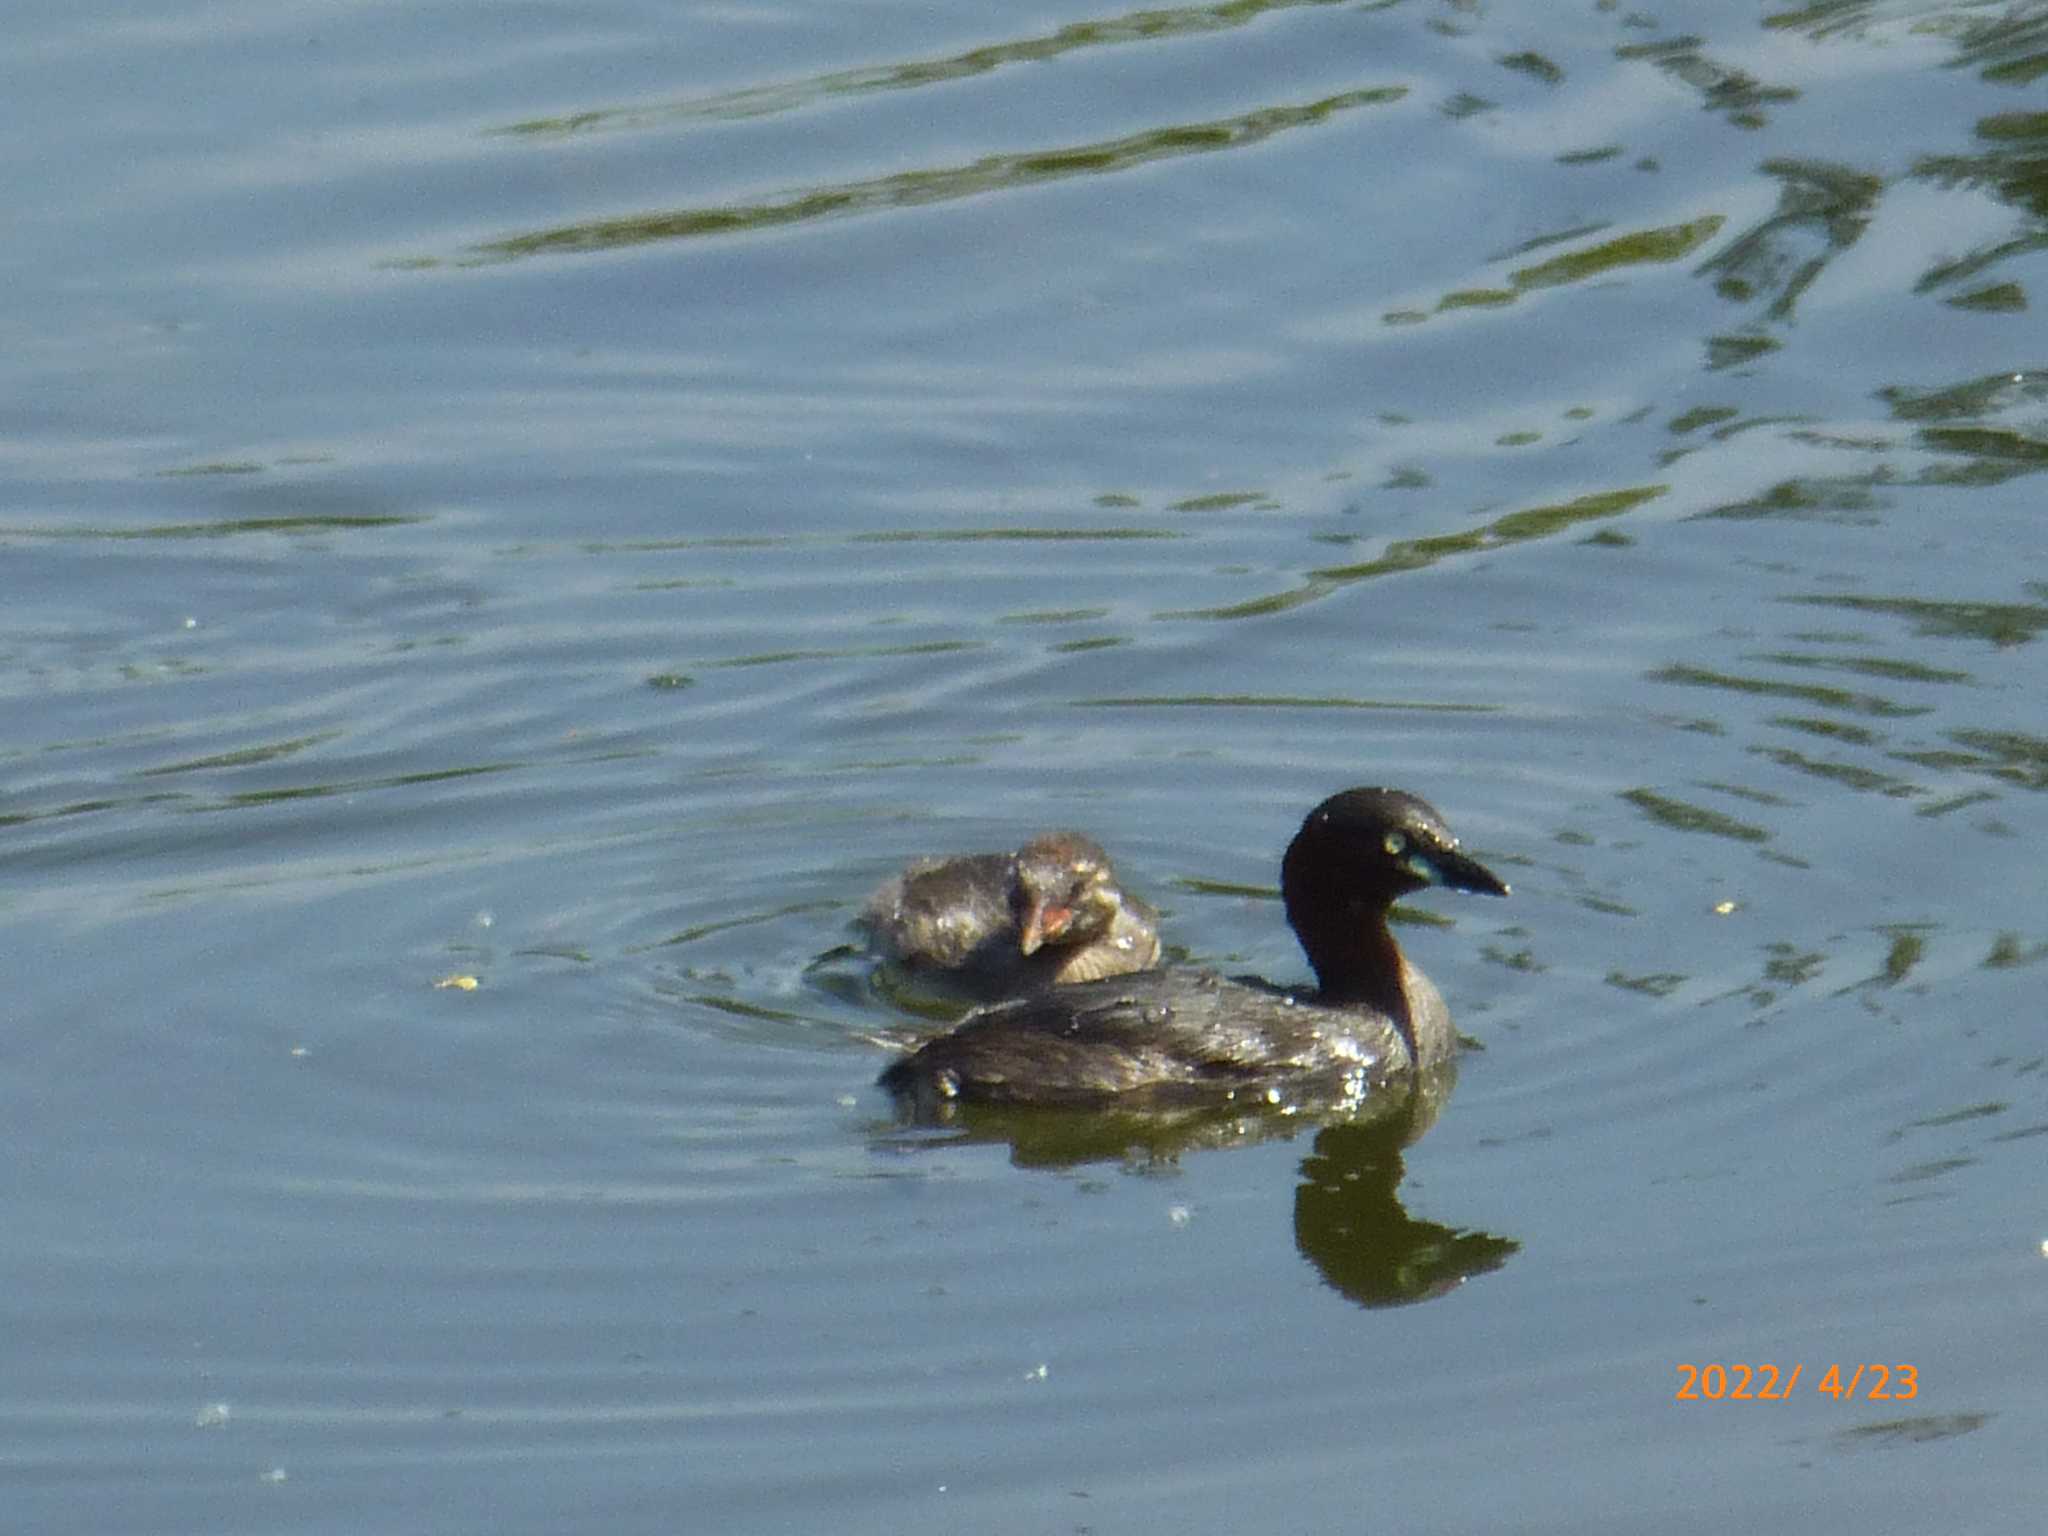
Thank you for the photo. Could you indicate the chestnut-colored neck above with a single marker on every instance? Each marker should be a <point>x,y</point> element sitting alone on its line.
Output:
<point>1341,920</point>
<point>1358,964</point>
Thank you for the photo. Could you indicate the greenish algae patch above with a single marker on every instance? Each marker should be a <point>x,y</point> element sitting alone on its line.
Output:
<point>1681,816</point>
<point>1647,247</point>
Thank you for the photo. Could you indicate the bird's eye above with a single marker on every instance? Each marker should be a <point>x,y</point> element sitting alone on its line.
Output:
<point>1396,845</point>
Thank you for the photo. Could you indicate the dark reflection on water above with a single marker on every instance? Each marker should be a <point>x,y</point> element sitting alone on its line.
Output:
<point>1349,1220</point>
<point>220,528</point>
<point>1723,88</point>
<point>914,189</point>
<point>1885,1434</point>
<point>1351,1224</point>
<point>1605,258</point>
<point>1418,554</point>
<point>1822,211</point>
<point>1158,25</point>
<point>2001,624</point>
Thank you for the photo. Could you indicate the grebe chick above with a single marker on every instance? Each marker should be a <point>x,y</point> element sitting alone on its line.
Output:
<point>1004,924</point>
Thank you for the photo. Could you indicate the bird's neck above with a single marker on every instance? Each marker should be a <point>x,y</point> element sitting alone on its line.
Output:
<point>1357,962</point>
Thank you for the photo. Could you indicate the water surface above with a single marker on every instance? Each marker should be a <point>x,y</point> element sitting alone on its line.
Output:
<point>572,499</point>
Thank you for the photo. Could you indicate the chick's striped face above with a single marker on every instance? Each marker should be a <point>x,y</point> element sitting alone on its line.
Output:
<point>1060,900</point>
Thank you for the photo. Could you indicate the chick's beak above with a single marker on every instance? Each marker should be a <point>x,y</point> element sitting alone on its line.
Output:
<point>1041,925</point>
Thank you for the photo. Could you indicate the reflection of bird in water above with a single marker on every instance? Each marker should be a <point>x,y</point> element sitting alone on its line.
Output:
<point>995,925</point>
<point>1191,1034</point>
<point>1349,1221</point>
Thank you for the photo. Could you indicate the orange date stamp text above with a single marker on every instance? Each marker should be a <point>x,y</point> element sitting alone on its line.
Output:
<point>1740,1383</point>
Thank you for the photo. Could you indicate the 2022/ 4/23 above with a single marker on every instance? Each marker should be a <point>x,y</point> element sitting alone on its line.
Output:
<point>1742,1383</point>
